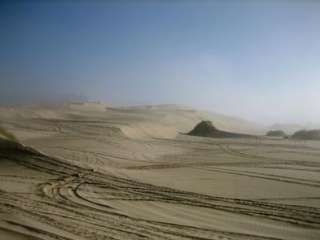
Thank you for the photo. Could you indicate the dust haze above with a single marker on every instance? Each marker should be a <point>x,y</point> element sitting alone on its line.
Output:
<point>169,120</point>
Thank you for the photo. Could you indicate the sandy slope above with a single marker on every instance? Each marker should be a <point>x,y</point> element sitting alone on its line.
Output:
<point>127,173</point>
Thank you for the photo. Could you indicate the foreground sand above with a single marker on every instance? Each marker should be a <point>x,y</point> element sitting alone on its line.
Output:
<point>127,173</point>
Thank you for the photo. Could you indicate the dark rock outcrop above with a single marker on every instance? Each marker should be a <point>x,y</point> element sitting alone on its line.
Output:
<point>206,129</point>
<point>307,134</point>
<point>276,133</point>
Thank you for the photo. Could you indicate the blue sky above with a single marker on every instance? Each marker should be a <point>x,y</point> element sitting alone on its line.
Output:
<point>259,60</point>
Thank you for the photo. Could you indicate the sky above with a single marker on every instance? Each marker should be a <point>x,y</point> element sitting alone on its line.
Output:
<point>254,59</point>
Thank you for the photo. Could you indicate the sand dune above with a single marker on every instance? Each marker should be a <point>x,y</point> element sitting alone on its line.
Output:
<point>92,171</point>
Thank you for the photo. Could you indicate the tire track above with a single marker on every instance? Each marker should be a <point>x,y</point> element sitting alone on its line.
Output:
<point>67,196</point>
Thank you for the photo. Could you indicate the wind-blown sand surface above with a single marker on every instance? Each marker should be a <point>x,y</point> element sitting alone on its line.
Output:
<point>126,173</point>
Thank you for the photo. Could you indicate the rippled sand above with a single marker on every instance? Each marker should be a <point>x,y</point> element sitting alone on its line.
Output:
<point>128,173</point>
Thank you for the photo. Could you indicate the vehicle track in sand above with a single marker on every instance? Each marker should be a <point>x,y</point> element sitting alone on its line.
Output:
<point>77,202</point>
<point>66,198</point>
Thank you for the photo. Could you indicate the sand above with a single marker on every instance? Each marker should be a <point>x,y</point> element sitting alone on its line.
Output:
<point>128,173</point>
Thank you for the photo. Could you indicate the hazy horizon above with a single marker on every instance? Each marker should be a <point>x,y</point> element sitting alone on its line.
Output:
<point>258,60</point>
